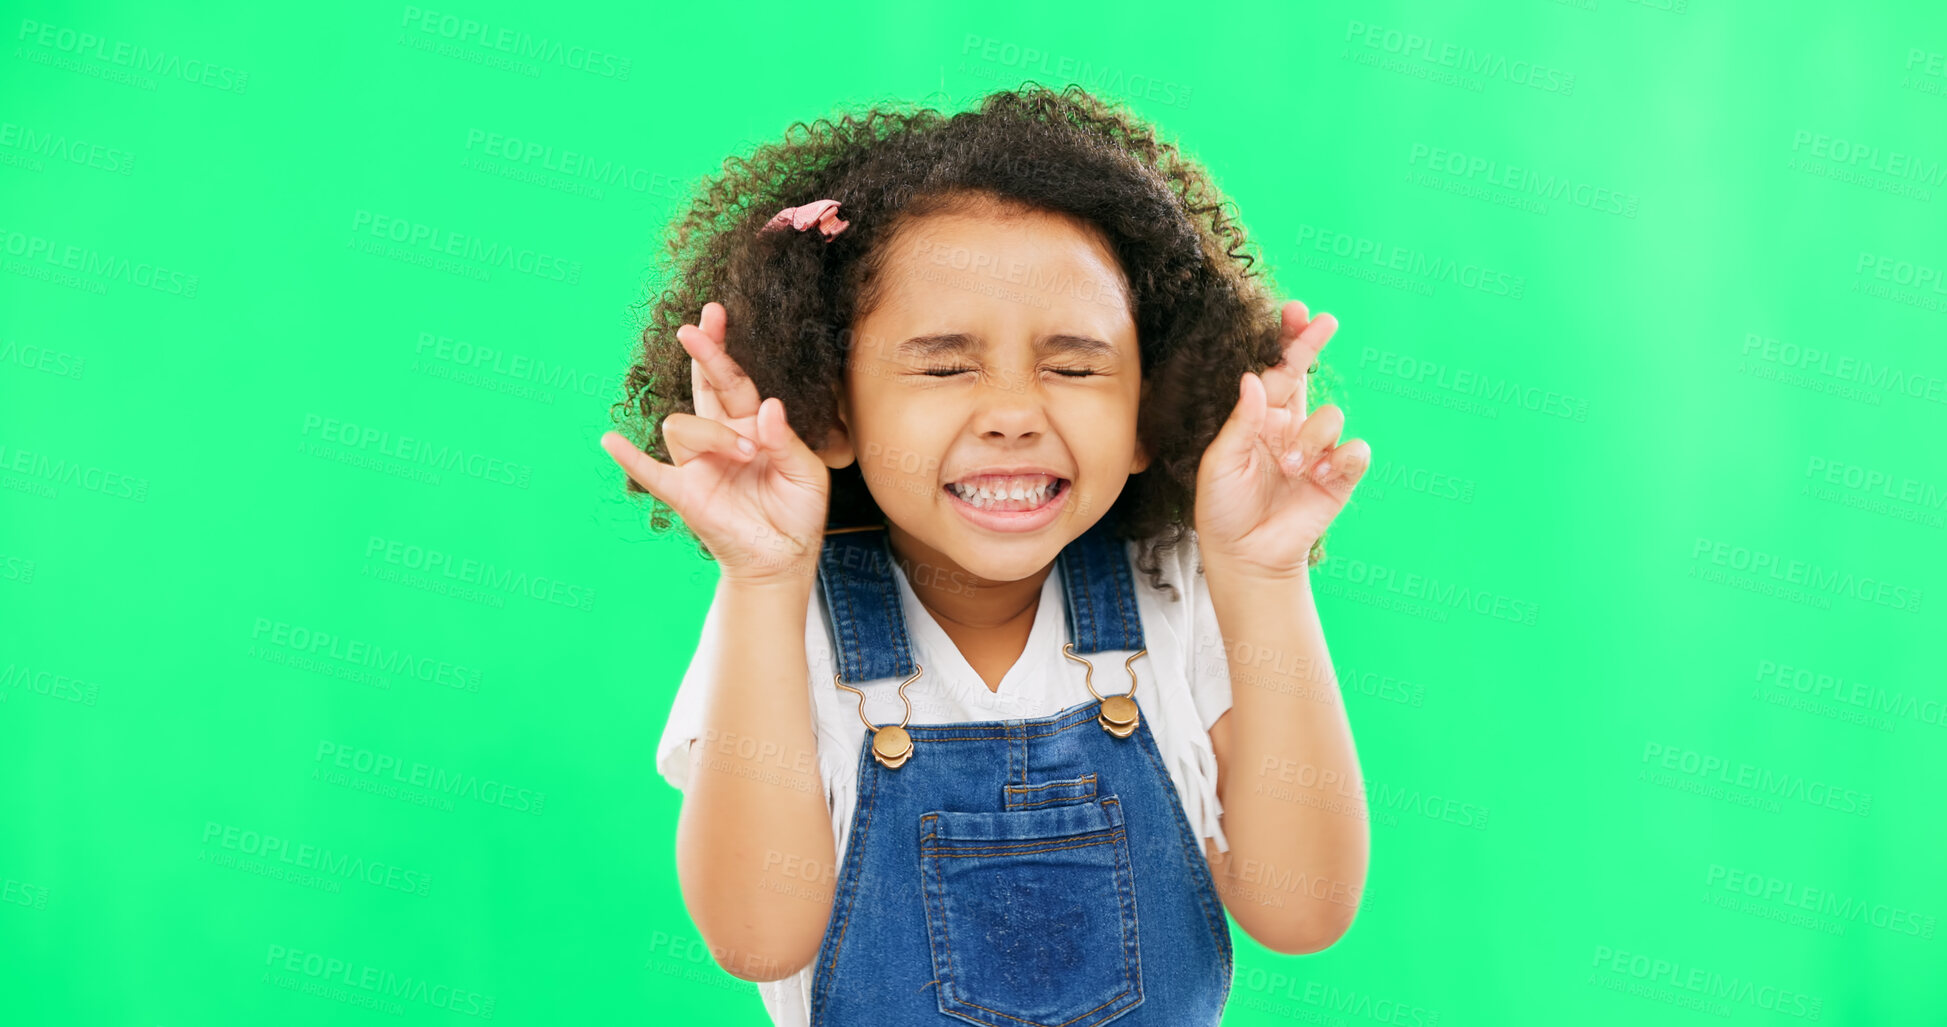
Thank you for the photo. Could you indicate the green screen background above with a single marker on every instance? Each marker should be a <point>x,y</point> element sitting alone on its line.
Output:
<point>1642,315</point>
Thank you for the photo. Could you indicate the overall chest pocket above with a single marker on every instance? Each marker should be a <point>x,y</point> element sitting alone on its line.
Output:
<point>1031,914</point>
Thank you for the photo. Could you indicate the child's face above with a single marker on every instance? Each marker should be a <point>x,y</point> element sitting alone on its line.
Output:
<point>1026,303</point>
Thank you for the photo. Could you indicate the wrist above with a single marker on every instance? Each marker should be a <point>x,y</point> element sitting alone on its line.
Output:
<point>782,579</point>
<point>1219,567</point>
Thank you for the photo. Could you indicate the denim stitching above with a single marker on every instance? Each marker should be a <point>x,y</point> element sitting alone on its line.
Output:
<point>1064,1023</point>
<point>1132,924</point>
<point>1078,715</point>
<point>1124,599</point>
<point>845,620</point>
<point>1024,737</point>
<point>1059,800</point>
<point>1188,840</point>
<point>1084,599</point>
<point>889,598</point>
<point>945,852</point>
<point>859,830</point>
<point>937,897</point>
<point>851,870</point>
<point>1086,781</point>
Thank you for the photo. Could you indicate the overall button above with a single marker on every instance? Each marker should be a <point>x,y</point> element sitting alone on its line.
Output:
<point>1119,715</point>
<point>892,746</point>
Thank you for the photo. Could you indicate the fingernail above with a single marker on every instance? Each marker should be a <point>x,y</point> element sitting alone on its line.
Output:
<point>1324,468</point>
<point>745,445</point>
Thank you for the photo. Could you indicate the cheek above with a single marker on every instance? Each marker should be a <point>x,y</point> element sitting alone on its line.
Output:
<point>1104,427</point>
<point>901,444</point>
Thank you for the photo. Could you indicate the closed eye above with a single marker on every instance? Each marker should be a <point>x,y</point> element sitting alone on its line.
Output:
<point>948,372</point>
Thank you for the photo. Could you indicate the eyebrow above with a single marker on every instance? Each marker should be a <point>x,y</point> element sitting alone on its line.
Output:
<point>951,343</point>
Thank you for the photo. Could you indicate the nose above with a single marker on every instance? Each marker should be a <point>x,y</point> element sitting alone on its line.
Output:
<point>1009,406</point>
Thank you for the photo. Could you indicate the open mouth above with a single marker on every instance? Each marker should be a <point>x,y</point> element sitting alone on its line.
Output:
<point>1021,493</point>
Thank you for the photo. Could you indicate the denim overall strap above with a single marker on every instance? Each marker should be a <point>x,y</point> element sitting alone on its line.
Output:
<point>1101,594</point>
<point>868,628</point>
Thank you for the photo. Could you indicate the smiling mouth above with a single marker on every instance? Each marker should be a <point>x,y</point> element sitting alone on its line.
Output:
<point>1016,494</point>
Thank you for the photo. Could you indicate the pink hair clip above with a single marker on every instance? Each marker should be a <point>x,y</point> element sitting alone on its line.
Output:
<point>823,213</point>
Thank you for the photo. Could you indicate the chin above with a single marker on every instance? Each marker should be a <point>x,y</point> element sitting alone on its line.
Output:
<point>1004,559</point>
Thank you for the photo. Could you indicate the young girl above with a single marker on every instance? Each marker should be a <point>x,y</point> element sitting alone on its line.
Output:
<point>1056,425</point>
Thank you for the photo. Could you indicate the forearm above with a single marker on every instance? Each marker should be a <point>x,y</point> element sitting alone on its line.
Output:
<point>1293,797</point>
<point>755,851</point>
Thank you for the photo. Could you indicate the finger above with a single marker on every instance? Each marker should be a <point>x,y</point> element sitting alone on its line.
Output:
<point>1339,470</point>
<point>707,403</point>
<point>689,435</point>
<point>777,440</point>
<point>713,319</point>
<point>1319,433</point>
<point>1292,319</point>
<point>659,478</point>
<point>1286,380</point>
<point>1246,420</point>
<point>1280,429</point>
<point>733,387</point>
<point>702,396</point>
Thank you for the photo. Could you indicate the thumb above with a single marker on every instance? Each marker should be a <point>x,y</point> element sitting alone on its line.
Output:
<point>1246,420</point>
<point>779,441</point>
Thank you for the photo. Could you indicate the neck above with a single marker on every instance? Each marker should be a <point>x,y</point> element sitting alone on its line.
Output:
<point>955,595</point>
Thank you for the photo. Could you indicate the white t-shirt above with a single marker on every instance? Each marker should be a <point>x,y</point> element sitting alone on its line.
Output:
<point>1183,686</point>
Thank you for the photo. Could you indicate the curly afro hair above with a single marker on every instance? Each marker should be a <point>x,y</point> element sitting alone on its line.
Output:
<point>1204,314</point>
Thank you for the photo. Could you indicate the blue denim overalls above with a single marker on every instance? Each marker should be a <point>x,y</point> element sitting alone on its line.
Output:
<point>1013,873</point>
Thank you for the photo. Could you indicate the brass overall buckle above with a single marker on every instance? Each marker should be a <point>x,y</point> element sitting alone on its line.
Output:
<point>892,746</point>
<point>1118,715</point>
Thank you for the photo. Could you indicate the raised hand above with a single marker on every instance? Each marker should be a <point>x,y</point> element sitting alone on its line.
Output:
<point>752,491</point>
<point>1274,478</point>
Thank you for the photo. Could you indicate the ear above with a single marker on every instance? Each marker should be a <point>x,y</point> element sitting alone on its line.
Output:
<point>838,450</point>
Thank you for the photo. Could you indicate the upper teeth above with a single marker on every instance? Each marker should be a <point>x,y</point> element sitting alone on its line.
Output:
<point>1033,488</point>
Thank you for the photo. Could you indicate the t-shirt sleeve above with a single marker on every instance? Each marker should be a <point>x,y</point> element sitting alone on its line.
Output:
<point>685,716</point>
<point>686,711</point>
<point>1209,667</point>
